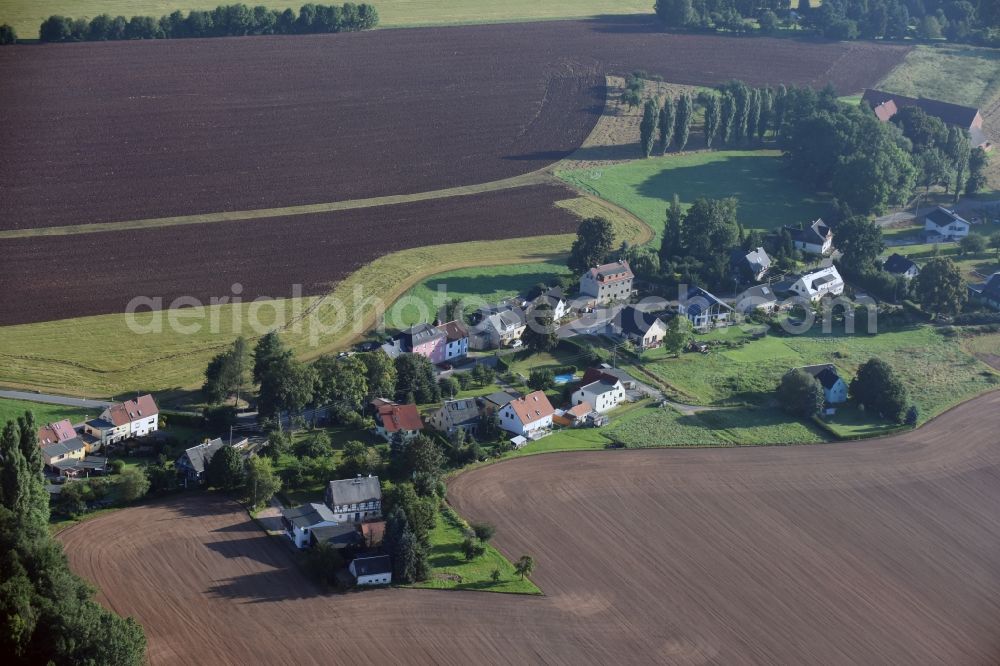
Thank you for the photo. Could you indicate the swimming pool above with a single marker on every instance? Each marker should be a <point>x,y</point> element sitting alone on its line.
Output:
<point>563,379</point>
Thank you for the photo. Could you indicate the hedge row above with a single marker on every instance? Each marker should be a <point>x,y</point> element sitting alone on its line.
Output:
<point>223,21</point>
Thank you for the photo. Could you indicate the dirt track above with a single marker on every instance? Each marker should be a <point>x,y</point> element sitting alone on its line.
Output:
<point>873,552</point>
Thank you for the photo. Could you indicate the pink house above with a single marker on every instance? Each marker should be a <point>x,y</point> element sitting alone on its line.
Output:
<point>425,340</point>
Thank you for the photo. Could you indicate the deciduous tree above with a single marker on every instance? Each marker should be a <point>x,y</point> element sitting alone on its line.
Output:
<point>594,240</point>
<point>939,287</point>
<point>800,393</point>
<point>647,127</point>
<point>878,388</point>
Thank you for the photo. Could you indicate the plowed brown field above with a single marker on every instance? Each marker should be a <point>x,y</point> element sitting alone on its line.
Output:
<point>878,552</point>
<point>111,131</point>
<point>88,274</point>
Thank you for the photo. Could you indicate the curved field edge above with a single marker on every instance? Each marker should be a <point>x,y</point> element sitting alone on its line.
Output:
<point>101,356</point>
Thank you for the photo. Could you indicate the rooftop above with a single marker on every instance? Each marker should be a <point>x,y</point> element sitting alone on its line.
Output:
<point>308,515</point>
<point>354,491</point>
<point>618,270</point>
<point>825,373</point>
<point>532,407</point>
<point>952,114</point>
<point>372,565</point>
<point>395,417</point>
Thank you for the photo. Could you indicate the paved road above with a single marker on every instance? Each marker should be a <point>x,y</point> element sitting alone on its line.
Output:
<point>51,399</point>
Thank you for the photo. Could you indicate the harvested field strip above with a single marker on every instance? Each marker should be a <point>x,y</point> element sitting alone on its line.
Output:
<point>269,258</point>
<point>99,355</point>
<point>188,127</point>
<point>882,551</point>
<point>528,179</point>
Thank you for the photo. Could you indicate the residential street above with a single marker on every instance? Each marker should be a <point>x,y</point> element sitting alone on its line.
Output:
<point>50,399</point>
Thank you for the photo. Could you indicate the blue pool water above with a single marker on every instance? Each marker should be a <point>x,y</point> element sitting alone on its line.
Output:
<point>563,379</point>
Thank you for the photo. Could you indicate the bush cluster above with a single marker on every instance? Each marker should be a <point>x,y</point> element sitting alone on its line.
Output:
<point>223,21</point>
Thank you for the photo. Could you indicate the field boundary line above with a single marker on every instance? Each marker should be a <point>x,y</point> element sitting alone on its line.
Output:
<point>538,177</point>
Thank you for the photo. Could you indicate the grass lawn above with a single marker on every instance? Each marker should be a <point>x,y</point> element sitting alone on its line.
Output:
<point>768,195</point>
<point>451,571</point>
<point>27,16</point>
<point>851,423</point>
<point>958,74</point>
<point>937,370</point>
<point>44,413</point>
<point>477,286</point>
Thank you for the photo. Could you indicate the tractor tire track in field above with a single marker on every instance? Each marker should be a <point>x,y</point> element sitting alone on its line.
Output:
<point>884,551</point>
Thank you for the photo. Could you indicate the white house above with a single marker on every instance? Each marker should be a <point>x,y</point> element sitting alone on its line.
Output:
<point>816,285</point>
<point>897,264</point>
<point>643,329</point>
<point>500,327</point>
<point>300,521</point>
<point>122,420</point>
<point>834,388</point>
<point>371,570</point>
<point>604,394</point>
<point>608,283</point>
<point>759,297</point>
<point>755,263</point>
<point>528,416</point>
<point>457,340</point>
<point>555,300</point>
<point>817,238</point>
<point>945,224</point>
<point>393,421</point>
<point>355,500</point>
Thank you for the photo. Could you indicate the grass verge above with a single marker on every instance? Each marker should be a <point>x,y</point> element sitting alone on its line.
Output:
<point>951,73</point>
<point>44,413</point>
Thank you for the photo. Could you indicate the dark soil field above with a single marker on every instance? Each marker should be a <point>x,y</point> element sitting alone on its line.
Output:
<point>97,132</point>
<point>877,552</point>
<point>59,277</point>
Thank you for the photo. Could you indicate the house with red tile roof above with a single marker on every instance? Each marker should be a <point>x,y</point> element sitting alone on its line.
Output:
<point>393,421</point>
<point>530,416</point>
<point>124,420</point>
<point>54,433</point>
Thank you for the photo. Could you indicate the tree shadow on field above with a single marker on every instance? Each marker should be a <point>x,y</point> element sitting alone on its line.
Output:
<point>264,586</point>
<point>768,196</point>
<point>259,547</point>
<point>200,504</point>
<point>540,156</point>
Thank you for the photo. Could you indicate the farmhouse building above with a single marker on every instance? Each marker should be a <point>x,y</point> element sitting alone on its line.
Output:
<point>301,521</point>
<point>355,500</point>
<point>609,373</point>
<point>455,414</point>
<point>897,264</point>
<point>834,388</point>
<point>753,265</point>
<point>456,340</point>
<point>192,463</point>
<point>886,105</point>
<point>944,224</point>
<point>758,298</point>
<point>393,421</point>
<point>601,395</point>
<point>643,329</point>
<point>555,300</point>
<point>816,285</point>
<point>530,416</point>
<point>338,535</point>
<point>703,309</point>
<point>124,420</point>
<point>816,238</point>
<point>371,570</point>
<point>608,283</point>
<point>987,293</point>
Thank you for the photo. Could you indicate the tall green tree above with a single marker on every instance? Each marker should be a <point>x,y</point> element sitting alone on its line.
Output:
<point>594,240</point>
<point>939,287</point>
<point>261,481</point>
<point>800,393</point>
<point>416,379</point>
<point>540,334</point>
<point>675,13</point>
<point>710,228</point>
<point>380,374</point>
<point>766,112</point>
<point>341,381</point>
<point>780,108</point>
<point>713,117</point>
<point>741,93</point>
<point>647,127</point>
<point>287,386</point>
<point>753,113</point>
<point>879,388</point>
<point>7,35</point>
<point>677,335</point>
<point>228,373</point>
<point>860,243</point>
<point>673,233</point>
<point>524,566</point>
<point>666,123</point>
<point>225,469</point>
<point>979,159</point>
<point>685,113</point>
<point>727,117</point>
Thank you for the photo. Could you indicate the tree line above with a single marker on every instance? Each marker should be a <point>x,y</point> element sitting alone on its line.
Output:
<point>224,21</point>
<point>970,21</point>
<point>49,614</point>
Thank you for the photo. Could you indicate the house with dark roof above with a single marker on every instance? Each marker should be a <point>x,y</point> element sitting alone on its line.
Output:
<point>394,421</point>
<point>455,414</point>
<point>85,466</point>
<point>944,224</point>
<point>834,388</point>
<point>608,283</point>
<point>987,293</point>
<point>192,463</point>
<point>644,329</point>
<point>355,500</point>
<point>601,395</point>
<point>424,340</point>
<point>494,402</point>
<point>703,309</point>
<point>530,416</point>
<point>897,264</point>
<point>500,326</point>
<point>753,265</point>
<point>300,522</point>
<point>456,337</point>
<point>371,570</point>
<point>555,300</point>
<point>886,105</point>
<point>814,238</point>
<point>72,449</point>
<point>758,298</point>
<point>342,536</point>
